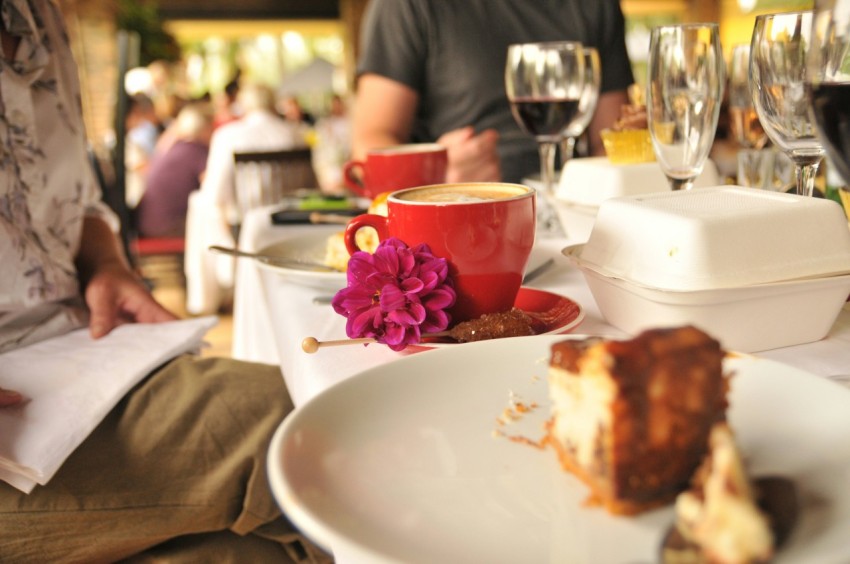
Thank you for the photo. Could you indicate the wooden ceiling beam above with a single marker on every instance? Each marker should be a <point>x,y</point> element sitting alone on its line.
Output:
<point>249,9</point>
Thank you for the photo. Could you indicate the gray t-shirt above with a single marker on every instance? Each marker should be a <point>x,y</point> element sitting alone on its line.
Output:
<point>453,53</point>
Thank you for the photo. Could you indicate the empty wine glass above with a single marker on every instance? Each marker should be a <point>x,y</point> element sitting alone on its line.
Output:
<point>586,105</point>
<point>544,83</point>
<point>829,80</point>
<point>778,80</point>
<point>684,90</point>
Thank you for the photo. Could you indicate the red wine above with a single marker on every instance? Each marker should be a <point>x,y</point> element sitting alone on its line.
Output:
<point>544,117</point>
<point>831,105</point>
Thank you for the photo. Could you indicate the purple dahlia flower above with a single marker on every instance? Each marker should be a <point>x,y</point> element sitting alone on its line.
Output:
<point>396,295</point>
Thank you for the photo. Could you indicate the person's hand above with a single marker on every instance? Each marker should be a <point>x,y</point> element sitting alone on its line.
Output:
<point>472,157</point>
<point>8,398</point>
<point>116,296</point>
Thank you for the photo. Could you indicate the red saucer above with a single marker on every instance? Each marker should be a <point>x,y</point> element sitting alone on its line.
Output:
<point>552,313</point>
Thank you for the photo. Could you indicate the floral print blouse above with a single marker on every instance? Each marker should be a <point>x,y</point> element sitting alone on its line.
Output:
<point>46,182</point>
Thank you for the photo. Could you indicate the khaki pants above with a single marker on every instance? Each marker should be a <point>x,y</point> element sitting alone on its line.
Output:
<point>175,473</point>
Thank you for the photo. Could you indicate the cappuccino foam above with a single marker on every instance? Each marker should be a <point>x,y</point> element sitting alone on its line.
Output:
<point>460,194</point>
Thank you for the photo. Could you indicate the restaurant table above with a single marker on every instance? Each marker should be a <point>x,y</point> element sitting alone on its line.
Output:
<point>272,315</point>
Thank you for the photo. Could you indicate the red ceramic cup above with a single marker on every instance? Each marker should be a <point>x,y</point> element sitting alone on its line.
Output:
<point>485,230</point>
<point>395,168</point>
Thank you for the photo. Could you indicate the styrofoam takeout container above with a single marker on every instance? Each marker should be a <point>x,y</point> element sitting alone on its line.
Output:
<point>718,237</point>
<point>757,270</point>
<point>748,319</point>
<point>591,181</point>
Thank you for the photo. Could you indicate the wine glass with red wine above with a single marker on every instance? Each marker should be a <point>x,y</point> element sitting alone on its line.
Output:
<point>684,89</point>
<point>544,83</point>
<point>778,70</point>
<point>829,80</point>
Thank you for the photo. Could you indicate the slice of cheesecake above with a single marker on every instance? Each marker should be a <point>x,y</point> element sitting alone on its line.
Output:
<point>631,418</point>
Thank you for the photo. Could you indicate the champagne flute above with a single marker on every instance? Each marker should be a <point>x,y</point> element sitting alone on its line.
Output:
<point>544,83</point>
<point>586,105</point>
<point>778,70</point>
<point>684,90</point>
<point>829,81</point>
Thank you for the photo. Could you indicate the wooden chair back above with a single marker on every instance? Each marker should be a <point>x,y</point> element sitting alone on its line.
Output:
<point>265,177</point>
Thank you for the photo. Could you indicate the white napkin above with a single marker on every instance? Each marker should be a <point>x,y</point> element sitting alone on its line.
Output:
<point>71,383</point>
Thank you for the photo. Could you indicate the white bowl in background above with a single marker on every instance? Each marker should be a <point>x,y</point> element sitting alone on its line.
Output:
<point>590,181</point>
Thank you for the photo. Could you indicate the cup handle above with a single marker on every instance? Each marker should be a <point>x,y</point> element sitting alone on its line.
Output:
<point>377,222</point>
<point>351,179</point>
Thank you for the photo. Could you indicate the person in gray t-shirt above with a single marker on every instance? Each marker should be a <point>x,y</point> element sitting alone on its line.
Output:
<point>433,70</point>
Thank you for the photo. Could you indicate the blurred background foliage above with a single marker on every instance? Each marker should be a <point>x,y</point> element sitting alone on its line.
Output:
<point>142,17</point>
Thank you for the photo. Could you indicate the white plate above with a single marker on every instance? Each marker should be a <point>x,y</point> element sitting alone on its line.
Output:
<point>312,246</point>
<point>400,463</point>
<point>309,247</point>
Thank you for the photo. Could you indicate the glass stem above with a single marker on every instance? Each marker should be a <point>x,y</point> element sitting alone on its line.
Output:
<point>568,148</point>
<point>547,165</point>
<point>682,183</point>
<point>806,173</point>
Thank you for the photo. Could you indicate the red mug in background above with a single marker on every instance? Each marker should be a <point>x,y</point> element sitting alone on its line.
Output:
<point>394,168</point>
<point>484,229</point>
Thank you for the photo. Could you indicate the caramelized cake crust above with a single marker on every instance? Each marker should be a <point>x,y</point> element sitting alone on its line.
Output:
<point>632,418</point>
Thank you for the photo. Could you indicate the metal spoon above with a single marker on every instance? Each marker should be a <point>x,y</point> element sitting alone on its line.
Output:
<point>276,260</point>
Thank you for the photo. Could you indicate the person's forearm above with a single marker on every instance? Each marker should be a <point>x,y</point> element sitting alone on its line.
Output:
<point>99,248</point>
<point>382,115</point>
<point>113,292</point>
<point>607,112</point>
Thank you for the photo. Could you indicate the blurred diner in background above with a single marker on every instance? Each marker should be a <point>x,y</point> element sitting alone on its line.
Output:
<point>143,131</point>
<point>259,128</point>
<point>175,171</point>
<point>216,210</point>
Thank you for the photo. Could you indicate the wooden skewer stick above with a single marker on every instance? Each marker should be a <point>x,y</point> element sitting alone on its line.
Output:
<point>311,345</point>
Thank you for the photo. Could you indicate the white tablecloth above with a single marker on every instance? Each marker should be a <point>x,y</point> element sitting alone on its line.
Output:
<point>253,333</point>
<point>209,276</point>
<point>271,313</point>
